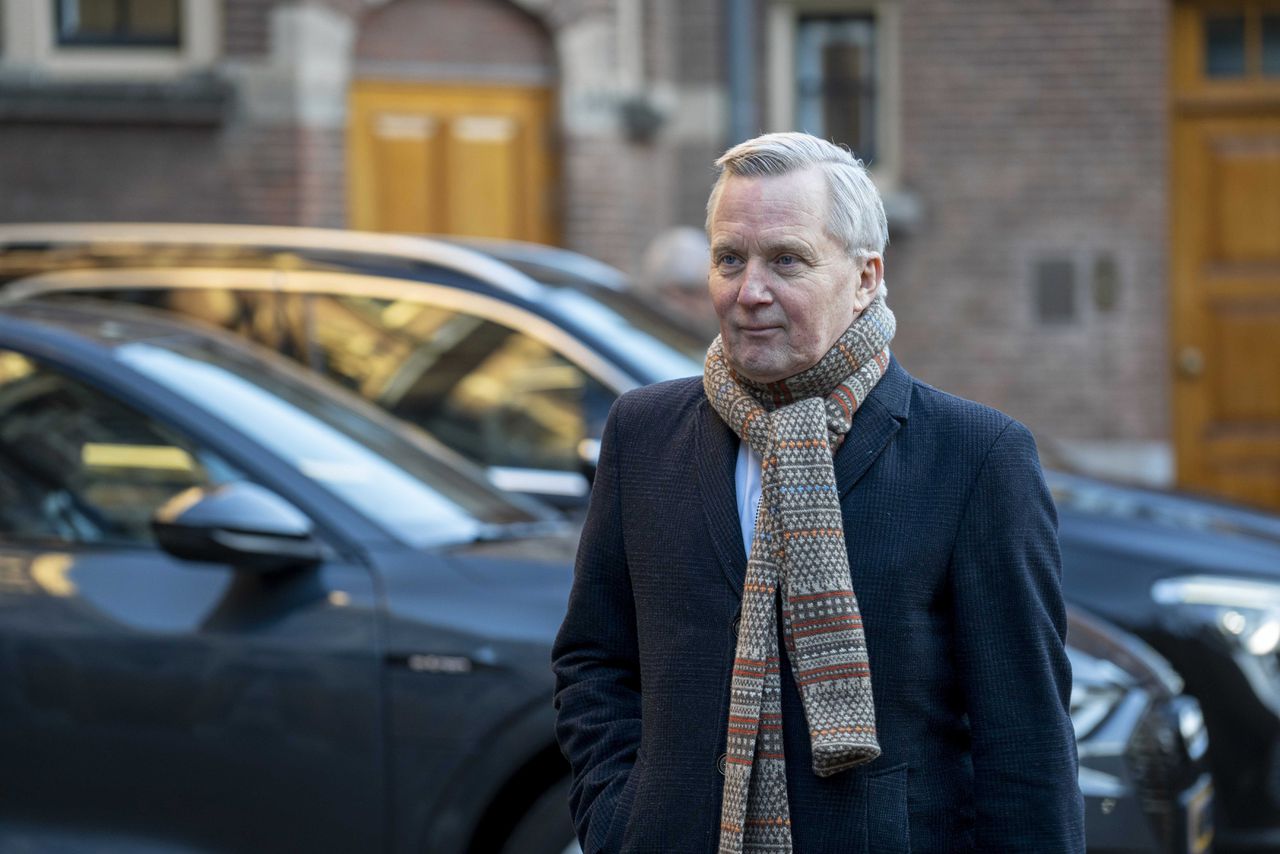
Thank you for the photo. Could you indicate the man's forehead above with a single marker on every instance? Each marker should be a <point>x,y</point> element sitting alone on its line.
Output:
<point>802,196</point>
<point>797,238</point>
<point>772,223</point>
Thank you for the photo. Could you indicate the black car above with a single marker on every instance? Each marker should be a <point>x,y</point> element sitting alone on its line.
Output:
<point>242,610</point>
<point>1200,581</point>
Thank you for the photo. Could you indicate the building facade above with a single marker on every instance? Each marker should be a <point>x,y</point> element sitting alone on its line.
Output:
<point>1042,164</point>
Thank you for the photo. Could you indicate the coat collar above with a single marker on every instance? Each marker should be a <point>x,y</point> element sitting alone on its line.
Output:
<point>878,418</point>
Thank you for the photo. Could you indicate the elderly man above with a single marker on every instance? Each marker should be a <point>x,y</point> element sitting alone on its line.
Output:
<point>817,602</point>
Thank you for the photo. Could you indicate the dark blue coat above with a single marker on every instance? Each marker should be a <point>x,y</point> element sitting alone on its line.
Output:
<point>954,556</point>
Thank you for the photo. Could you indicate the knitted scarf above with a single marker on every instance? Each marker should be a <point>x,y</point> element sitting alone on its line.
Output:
<point>798,555</point>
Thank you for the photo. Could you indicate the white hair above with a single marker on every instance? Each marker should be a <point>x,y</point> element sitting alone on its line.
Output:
<point>855,214</point>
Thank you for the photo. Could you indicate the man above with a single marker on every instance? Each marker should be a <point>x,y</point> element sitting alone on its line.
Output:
<point>817,603</point>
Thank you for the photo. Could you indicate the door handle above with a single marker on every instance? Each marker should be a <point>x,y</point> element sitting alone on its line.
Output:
<point>1191,363</point>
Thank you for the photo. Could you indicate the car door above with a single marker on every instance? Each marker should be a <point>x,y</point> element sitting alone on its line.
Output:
<point>152,704</point>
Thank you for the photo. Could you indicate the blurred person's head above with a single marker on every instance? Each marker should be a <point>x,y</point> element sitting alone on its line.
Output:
<point>674,272</point>
<point>797,231</point>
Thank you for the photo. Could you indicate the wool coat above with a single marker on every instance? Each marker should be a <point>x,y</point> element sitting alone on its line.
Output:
<point>953,552</point>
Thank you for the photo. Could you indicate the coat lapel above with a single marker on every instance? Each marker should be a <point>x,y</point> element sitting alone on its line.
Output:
<point>877,419</point>
<point>717,452</point>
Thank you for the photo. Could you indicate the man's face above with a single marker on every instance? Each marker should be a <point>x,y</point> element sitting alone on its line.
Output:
<point>783,287</point>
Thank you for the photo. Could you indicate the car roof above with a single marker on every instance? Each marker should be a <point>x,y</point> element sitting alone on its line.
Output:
<point>544,262</point>
<point>354,247</point>
<point>29,251</point>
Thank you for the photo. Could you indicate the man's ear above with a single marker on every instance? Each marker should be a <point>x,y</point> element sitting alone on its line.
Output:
<point>870,276</point>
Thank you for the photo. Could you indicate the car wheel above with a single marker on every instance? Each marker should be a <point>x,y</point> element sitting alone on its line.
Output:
<point>546,828</point>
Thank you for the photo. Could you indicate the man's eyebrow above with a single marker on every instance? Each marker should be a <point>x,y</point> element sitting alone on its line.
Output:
<point>789,244</point>
<point>792,245</point>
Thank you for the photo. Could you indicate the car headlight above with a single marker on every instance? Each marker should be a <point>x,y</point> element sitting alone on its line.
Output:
<point>1091,705</point>
<point>1245,613</point>
<point>1097,687</point>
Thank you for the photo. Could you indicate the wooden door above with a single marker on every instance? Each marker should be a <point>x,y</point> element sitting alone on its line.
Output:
<point>467,160</point>
<point>1225,249</point>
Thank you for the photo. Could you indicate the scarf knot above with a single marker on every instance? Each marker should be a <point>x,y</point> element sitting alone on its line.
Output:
<point>799,557</point>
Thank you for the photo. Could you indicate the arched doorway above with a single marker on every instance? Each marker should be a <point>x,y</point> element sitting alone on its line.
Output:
<point>450,122</point>
<point>1225,248</point>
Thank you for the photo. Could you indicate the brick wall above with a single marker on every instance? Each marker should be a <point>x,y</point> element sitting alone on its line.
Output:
<point>322,192</point>
<point>63,172</point>
<point>269,175</point>
<point>1030,130</point>
<point>246,27</point>
<point>263,168</point>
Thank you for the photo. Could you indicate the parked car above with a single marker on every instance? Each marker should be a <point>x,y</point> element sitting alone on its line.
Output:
<point>519,377</point>
<point>242,610</point>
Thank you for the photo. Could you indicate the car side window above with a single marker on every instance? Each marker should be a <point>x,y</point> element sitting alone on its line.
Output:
<point>493,393</point>
<point>78,466</point>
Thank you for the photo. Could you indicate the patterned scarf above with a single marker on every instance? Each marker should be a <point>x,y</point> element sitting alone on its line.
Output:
<point>798,551</point>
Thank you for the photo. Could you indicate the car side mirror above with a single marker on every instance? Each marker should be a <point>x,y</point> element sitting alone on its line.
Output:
<point>241,524</point>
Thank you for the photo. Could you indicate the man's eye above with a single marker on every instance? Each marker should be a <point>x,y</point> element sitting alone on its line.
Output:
<point>727,260</point>
<point>787,259</point>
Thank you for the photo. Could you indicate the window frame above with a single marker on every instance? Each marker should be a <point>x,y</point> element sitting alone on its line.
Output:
<point>1193,87</point>
<point>31,38</point>
<point>782,27</point>
<point>867,92</point>
<point>117,40</point>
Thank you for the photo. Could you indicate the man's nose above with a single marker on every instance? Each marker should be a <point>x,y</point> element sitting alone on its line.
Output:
<point>755,284</point>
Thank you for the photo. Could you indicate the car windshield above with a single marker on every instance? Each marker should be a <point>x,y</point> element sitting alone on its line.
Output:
<point>631,336</point>
<point>419,497</point>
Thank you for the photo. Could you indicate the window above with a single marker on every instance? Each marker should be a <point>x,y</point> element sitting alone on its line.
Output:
<point>833,71</point>
<point>1055,291</point>
<point>494,394</point>
<point>131,23</point>
<point>836,80</point>
<point>1271,44</point>
<point>1224,52</point>
<point>78,466</point>
<point>111,40</point>
<point>1242,43</point>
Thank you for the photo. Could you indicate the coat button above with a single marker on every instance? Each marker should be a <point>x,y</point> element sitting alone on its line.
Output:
<point>733,627</point>
<point>721,762</point>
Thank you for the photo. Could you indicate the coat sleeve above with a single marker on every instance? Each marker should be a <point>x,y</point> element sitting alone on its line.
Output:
<point>1010,632</point>
<point>595,659</point>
